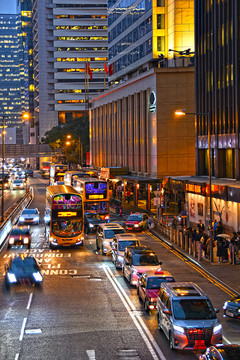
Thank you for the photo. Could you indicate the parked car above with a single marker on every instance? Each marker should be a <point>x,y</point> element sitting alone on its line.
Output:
<point>91,222</point>
<point>232,308</point>
<point>19,235</point>
<point>149,285</point>
<point>29,172</point>
<point>186,315</point>
<point>119,244</point>
<point>29,216</point>
<point>221,352</point>
<point>137,260</point>
<point>137,222</point>
<point>23,270</point>
<point>105,235</point>
<point>17,184</point>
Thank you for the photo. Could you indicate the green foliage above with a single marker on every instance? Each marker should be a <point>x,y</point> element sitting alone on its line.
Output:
<point>78,129</point>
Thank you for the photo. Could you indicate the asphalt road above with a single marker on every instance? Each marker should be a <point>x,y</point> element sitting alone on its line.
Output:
<point>86,310</point>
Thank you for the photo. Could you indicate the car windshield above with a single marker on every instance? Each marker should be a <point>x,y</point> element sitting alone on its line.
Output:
<point>29,211</point>
<point>67,228</point>
<point>18,182</point>
<point>190,309</point>
<point>18,231</point>
<point>93,216</point>
<point>134,218</point>
<point>109,234</point>
<point>123,244</point>
<point>155,282</point>
<point>145,259</point>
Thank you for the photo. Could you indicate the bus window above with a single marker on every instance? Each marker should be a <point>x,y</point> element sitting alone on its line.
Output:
<point>67,228</point>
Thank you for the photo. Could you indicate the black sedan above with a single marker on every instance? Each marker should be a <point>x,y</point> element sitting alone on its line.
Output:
<point>221,352</point>
<point>91,222</point>
<point>23,271</point>
<point>232,308</point>
<point>29,172</point>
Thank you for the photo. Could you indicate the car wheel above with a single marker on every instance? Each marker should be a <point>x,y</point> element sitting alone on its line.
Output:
<point>171,346</point>
<point>97,246</point>
<point>103,253</point>
<point>159,322</point>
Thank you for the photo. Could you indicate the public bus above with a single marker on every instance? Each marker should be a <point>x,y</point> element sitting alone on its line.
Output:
<point>57,172</point>
<point>65,206</point>
<point>70,176</point>
<point>95,195</point>
<point>45,169</point>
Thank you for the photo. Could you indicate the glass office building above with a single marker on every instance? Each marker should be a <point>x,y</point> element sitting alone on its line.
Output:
<point>11,70</point>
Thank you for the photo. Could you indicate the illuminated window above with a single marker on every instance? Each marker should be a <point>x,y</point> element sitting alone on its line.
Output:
<point>161,43</point>
<point>160,3</point>
<point>161,21</point>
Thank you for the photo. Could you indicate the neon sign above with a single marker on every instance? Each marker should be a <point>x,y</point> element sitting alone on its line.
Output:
<point>67,213</point>
<point>95,197</point>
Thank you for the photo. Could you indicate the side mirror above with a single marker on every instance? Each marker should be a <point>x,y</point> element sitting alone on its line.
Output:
<point>217,311</point>
<point>160,262</point>
<point>166,311</point>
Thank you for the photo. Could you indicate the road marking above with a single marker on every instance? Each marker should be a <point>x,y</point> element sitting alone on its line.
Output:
<point>16,356</point>
<point>91,354</point>
<point>195,266</point>
<point>138,321</point>
<point>226,340</point>
<point>33,331</point>
<point>22,329</point>
<point>29,301</point>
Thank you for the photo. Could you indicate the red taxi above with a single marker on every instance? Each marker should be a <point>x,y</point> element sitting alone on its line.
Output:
<point>20,235</point>
<point>148,287</point>
<point>137,222</point>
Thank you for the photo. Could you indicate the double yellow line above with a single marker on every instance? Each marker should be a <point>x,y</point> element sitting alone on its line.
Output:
<point>201,271</point>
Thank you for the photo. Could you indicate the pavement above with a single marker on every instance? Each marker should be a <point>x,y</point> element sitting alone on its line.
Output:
<point>225,273</point>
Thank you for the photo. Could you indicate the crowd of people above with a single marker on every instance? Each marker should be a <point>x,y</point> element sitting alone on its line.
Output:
<point>227,247</point>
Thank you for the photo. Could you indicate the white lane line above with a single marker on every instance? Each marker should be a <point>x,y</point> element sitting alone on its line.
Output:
<point>16,356</point>
<point>91,354</point>
<point>139,323</point>
<point>226,340</point>
<point>29,301</point>
<point>22,329</point>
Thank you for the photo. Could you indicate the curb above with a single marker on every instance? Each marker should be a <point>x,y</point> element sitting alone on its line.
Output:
<point>189,258</point>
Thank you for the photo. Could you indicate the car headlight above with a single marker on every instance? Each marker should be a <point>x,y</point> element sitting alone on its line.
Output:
<point>225,305</point>
<point>11,240</point>
<point>25,240</point>
<point>105,242</point>
<point>21,218</point>
<point>11,278</point>
<point>120,258</point>
<point>91,225</point>
<point>238,310</point>
<point>217,329</point>
<point>136,225</point>
<point>37,276</point>
<point>179,329</point>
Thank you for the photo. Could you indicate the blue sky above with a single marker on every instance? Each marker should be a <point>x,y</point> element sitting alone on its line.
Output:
<point>8,6</point>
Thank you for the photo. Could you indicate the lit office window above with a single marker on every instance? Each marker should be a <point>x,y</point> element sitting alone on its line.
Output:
<point>161,21</point>
<point>161,43</point>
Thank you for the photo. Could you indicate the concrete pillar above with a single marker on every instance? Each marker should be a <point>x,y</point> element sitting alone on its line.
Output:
<point>136,133</point>
<point>125,131</point>
<point>143,148</point>
<point>186,243</point>
<point>130,132</point>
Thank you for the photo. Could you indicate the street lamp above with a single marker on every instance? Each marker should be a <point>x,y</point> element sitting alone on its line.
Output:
<point>183,112</point>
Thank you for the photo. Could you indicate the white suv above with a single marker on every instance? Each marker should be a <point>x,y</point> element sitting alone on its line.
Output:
<point>105,235</point>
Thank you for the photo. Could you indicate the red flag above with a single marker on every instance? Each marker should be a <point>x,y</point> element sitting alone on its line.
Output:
<point>110,69</point>
<point>105,68</point>
<point>88,70</point>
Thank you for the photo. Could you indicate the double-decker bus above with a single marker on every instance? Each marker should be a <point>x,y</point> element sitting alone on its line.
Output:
<point>70,176</point>
<point>57,172</point>
<point>45,169</point>
<point>95,195</point>
<point>65,206</point>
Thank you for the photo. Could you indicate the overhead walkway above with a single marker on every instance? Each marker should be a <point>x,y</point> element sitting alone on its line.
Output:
<point>30,150</point>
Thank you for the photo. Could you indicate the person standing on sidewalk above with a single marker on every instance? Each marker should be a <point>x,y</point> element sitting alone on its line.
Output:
<point>232,248</point>
<point>220,251</point>
<point>174,222</point>
<point>219,229</point>
<point>201,226</point>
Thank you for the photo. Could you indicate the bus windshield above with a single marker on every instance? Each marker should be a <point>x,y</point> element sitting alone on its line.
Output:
<point>67,228</point>
<point>100,207</point>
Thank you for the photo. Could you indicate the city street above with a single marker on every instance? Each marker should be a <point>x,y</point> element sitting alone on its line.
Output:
<point>85,309</point>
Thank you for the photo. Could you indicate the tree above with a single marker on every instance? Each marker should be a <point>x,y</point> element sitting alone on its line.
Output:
<point>78,129</point>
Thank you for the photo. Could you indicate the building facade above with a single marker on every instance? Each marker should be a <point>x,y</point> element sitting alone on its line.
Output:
<point>68,36</point>
<point>11,70</point>
<point>217,86</point>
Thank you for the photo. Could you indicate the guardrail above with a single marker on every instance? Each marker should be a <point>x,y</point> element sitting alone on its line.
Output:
<point>12,214</point>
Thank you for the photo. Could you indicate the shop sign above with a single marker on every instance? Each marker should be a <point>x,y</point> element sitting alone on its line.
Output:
<point>195,189</point>
<point>152,101</point>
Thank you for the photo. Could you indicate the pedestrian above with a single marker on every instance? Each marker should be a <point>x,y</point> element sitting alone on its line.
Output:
<point>203,242</point>
<point>194,235</point>
<point>232,248</point>
<point>215,224</point>
<point>201,226</point>
<point>174,222</point>
<point>225,250</point>
<point>220,251</point>
<point>219,229</point>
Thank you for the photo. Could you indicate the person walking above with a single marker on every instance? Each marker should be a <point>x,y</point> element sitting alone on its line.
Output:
<point>220,251</point>
<point>201,226</point>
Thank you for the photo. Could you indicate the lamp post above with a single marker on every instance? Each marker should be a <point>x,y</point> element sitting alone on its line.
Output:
<point>3,163</point>
<point>183,112</point>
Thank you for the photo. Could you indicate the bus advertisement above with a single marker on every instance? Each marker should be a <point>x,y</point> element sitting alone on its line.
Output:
<point>57,172</point>
<point>70,176</point>
<point>95,195</point>
<point>45,169</point>
<point>65,206</point>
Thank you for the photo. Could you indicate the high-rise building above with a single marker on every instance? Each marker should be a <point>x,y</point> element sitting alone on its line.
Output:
<point>68,36</point>
<point>217,86</point>
<point>11,70</point>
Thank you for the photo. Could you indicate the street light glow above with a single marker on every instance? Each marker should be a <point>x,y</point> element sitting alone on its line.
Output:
<point>26,116</point>
<point>68,143</point>
<point>69,136</point>
<point>180,112</point>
